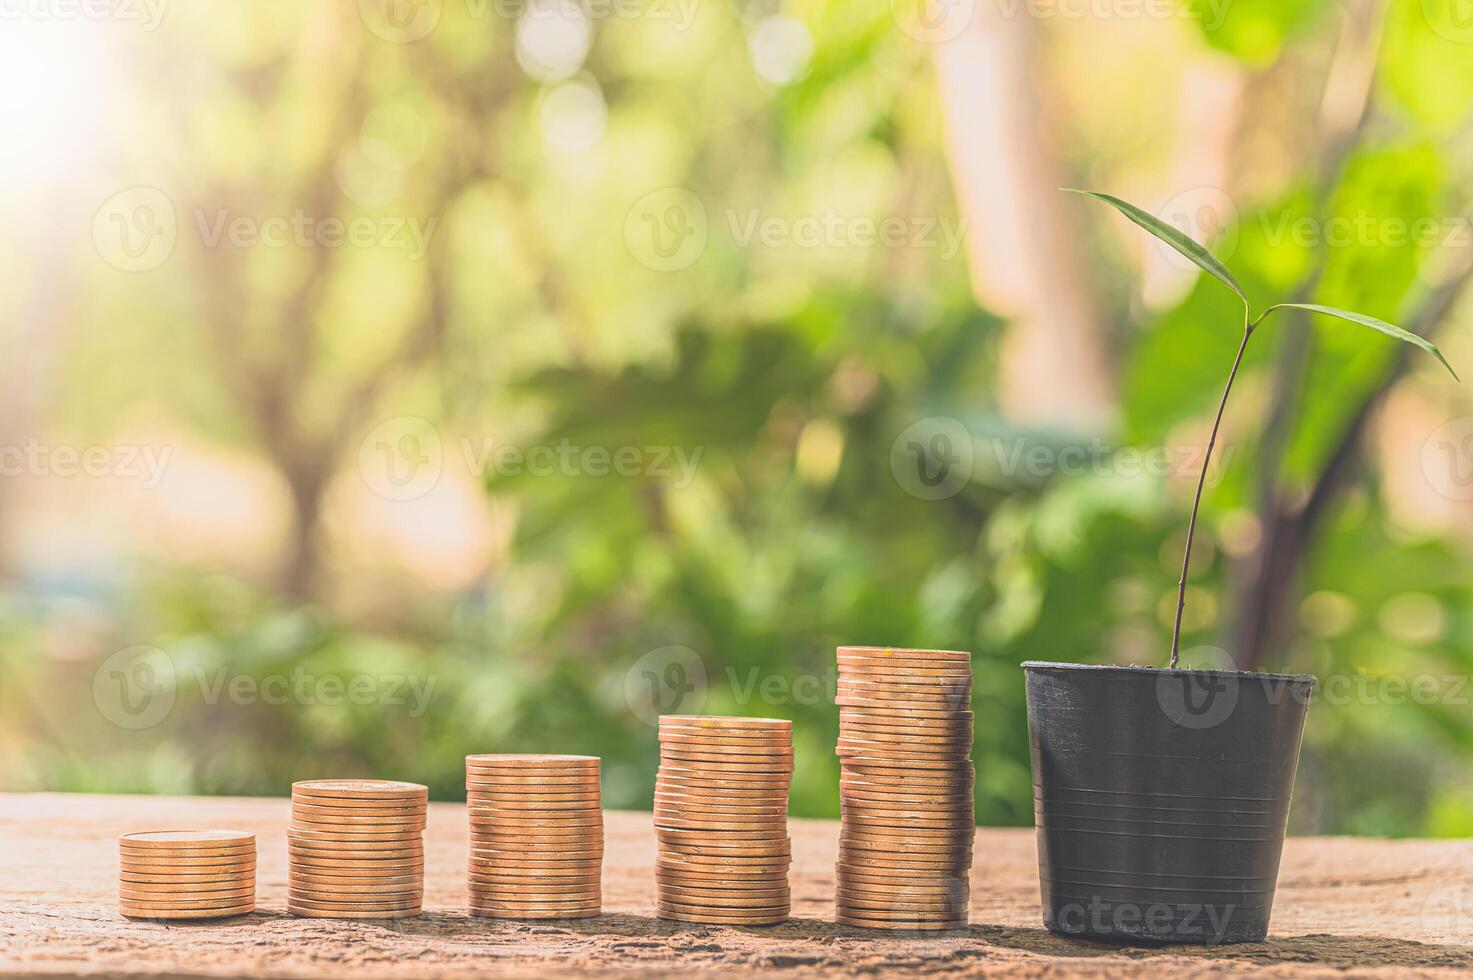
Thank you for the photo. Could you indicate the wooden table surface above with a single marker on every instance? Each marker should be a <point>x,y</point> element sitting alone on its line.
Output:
<point>1346,907</point>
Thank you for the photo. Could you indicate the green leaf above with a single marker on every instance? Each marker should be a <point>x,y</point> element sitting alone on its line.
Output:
<point>1171,236</point>
<point>1369,321</point>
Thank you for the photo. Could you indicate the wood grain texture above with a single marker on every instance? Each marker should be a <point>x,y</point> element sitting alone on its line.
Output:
<point>1345,907</point>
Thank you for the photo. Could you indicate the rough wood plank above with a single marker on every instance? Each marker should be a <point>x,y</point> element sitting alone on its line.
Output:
<point>1346,907</point>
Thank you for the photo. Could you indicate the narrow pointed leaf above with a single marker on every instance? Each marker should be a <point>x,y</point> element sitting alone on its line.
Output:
<point>1369,321</point>
<point>1204,259</point>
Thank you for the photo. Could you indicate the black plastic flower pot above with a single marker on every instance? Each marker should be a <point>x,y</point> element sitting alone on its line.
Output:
<point>1161,798</point>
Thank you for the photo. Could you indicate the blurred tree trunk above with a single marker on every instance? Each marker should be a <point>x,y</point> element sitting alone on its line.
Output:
<point>1022,234</point>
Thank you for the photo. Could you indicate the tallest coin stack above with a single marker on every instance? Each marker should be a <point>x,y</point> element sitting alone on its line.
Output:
<point>905,789</point>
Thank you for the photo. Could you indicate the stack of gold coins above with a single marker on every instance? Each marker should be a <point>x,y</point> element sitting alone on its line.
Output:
<point>186,874</point>
<point>537,836</point>
<point>905,790</point>
<point>356,849</point>
<point>721,817</point>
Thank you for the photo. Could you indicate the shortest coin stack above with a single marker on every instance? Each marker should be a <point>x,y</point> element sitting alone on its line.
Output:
<point>537,836</point>
<point>356,849</point>
<point>186,874</point>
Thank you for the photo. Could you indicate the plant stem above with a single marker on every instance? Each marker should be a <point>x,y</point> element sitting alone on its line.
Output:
<point>1186,561</point>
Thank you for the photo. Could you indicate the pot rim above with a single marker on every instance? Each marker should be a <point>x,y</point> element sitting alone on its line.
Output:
<point>1157,671</point>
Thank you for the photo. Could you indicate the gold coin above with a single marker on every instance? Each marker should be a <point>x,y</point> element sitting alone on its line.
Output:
<point>187,839</point>
<point>188,881</point>
<point>681,861</point>
<point>538,890</point>
<point>723,919</point>
<point>186,870</point>
<point>942,801</point>
<point>772,881</point>
<point>766,826</point>
<point>919,832</point>
<point>861,904</point>
<point>318,865</point>
<point>691,898</point>
<point>503,877</point>
<point>765,851</point>
<point>520,863</point>
<point>738,744</point>
<point>864,893</point>
<point>358,869</point>
<point>365,789</point>
<point>918,698</point>
<point>728,912</point>
<point>351,837</point>
<point>777,760</point>
<point>164,914</point>
<point>589,912</point>
<point>401,855</point>
<point>875,761</point>
<point>144,888</point>
<point>405,813</point>
<point>732,842</point>
<point>535,761</point>
<point>959,723</point>
<point>960,817</point>
<point>918,849</point>
<point>172,903</point>
<point>216,899</point>
<point>762,781</point>
<point>380,895</point>
<point>857,862</point>
<point>889,775</point>
<point>557,782</point>
<point>392,883</point>
<point>724,788</point>
<point>700,876</point>
<point>898,923</point>
<point>499,903</point>
<point>358,804</point>
<point>851,650</point>
<point>542,815</point>
<point>497,869</point>
<point>727,721</point>
<point>318,820</point>
<point>550,836</point>
<point>698,805</point>
<point>580,844</point>
<point>751,736</point>
<point>535,801</point>
<point>189,851</point>
<point>337,848</point>
<point>389,903</point>
<point>526,772</point>
<point>306,912</point>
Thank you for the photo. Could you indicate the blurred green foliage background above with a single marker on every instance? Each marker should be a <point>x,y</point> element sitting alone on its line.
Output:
<point>536,147</point>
